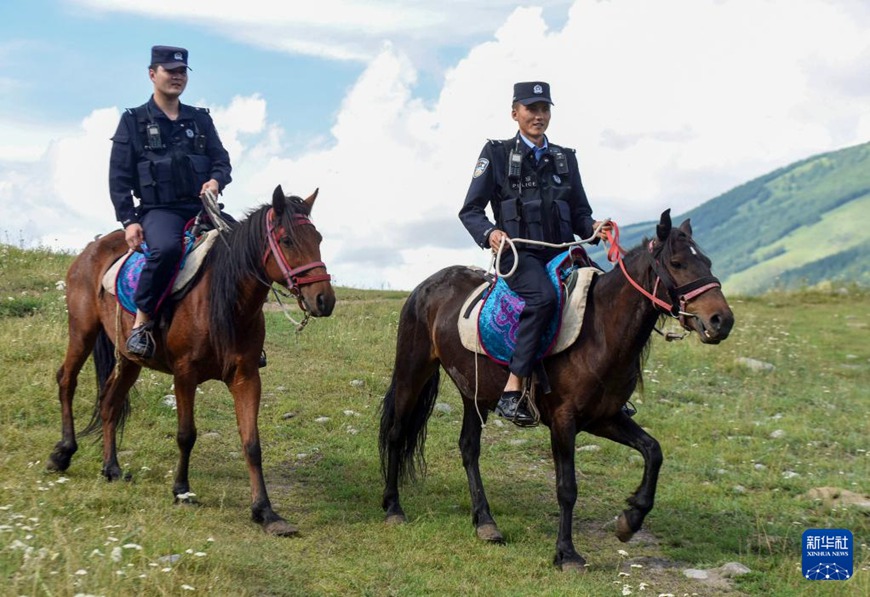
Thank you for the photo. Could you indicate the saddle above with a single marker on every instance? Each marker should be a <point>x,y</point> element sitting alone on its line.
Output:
<point>489,318</point>
<point>122,277</point>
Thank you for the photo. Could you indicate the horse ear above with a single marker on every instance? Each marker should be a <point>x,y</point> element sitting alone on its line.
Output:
<point>663,230</point>
<point>687,226</point>
<point>309,201</point>
<point>279,200</point>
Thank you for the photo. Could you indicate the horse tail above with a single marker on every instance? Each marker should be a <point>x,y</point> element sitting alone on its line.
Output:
<point>411,431</point>
<point>104,362</point>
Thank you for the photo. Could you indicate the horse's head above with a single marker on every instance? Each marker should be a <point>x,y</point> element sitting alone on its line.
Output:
<point>293,258</point>
<point>685,274</point>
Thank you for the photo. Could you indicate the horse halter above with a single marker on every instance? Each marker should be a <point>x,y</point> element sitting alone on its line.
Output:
<point>679,295</point>
<point>291,275</point>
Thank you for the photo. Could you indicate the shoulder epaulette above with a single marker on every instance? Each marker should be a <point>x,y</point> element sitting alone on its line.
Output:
<point>495,141</point>
<point>198,109</point>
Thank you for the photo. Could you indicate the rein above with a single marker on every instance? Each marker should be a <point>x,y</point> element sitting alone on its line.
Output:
<point>679,295</point>
<point>292,276</point>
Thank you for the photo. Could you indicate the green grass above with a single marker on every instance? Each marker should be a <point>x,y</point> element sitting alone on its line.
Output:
<point>741,451</point>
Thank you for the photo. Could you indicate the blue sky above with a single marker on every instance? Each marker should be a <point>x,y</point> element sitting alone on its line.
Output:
<point>384,106</point>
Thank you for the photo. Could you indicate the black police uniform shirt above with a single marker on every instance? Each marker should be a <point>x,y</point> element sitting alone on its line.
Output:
<point>551,205</point>
<point>175,172</point>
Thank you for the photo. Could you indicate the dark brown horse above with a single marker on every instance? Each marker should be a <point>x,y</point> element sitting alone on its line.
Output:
<point>590,381</point>
<point>215,331</point>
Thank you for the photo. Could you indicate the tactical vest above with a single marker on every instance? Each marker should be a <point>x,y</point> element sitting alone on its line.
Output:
<point>536,197</point>
<point>170,170</point>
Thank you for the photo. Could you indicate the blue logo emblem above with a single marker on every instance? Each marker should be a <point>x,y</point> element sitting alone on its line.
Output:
<point>827,554</point>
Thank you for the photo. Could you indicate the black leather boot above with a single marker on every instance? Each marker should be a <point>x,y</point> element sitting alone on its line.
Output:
<point>511,406</point>
<point>141,341</point>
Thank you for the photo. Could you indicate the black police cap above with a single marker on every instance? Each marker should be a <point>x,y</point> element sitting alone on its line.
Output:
<point>530,92</point>
<point>169,57</point>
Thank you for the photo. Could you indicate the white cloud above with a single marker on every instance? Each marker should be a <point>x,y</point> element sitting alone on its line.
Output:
<point>668,104</point>
<point>334,29</point>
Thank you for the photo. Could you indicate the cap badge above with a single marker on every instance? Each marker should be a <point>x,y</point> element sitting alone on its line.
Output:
<point>179,56</point>
<point>538,89</point>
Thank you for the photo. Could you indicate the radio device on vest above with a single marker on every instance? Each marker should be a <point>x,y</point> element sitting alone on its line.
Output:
<point>152,133</point>
<point>515,168</point>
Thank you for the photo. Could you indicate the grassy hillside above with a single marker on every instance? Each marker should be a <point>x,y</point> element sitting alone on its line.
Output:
<point>744,451</point>
<point>795,227</point>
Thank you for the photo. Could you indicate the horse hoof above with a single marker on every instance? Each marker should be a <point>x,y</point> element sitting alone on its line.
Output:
<point>60,459</point>
<point>395,519</point>
<point>112,474</point>
<point>623,530</point>
<point>489,532</point>
<point>280,528</point>
<point>57,464</point>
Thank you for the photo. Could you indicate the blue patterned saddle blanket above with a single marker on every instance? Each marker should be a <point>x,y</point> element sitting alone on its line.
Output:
<point>122,278</point>
<point>489,319</point>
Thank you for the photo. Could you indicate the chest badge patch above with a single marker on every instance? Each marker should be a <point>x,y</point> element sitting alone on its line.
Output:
<point>189,133</point>
<point>480,167</point>
<point>557,179</point>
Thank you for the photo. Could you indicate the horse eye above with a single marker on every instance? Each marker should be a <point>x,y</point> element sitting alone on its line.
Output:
<point>286,241</point>
<point>676,264</point>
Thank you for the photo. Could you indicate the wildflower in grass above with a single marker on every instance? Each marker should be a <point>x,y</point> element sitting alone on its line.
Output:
<point>116,554</point>
<point>188,588</point>
<point>132,546</point>
<point>200,554</point>
<point>622,552</point>
<point>81,572</point>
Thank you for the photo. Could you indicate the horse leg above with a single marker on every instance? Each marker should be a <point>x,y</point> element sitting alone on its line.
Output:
<point>469,446</point>
<point>562,438</point>
<point>245,388</point>
<point>79,347</point>
<point>185,394</point>
<point>625,431</point>
<point>113,404</point>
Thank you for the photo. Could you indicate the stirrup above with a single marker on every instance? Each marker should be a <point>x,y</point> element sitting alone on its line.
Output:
<point>141,341</point>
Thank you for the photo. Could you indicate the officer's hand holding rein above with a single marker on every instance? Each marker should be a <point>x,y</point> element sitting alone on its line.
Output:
<point>210,185</point>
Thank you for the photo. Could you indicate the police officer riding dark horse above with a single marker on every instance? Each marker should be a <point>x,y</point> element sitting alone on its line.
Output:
<point>534,189</point>
<point>168,155</point>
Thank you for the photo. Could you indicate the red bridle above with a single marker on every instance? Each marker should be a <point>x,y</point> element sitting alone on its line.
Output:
<point>680,295</point>
<point>291,275</point>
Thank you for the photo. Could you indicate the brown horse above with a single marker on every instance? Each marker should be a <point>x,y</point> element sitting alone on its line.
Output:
<point>590,381</point>
<point>215,331</point>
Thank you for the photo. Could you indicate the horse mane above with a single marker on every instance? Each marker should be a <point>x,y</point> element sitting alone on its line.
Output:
<point>646,278</point>
<point>238,260</point>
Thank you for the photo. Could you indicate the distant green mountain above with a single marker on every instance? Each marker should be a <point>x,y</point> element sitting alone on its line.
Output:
<point>797,226</point>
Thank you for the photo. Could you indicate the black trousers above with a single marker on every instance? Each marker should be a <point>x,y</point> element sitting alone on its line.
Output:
<point>164,235</point>
<point>531,282</point>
